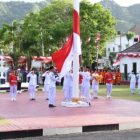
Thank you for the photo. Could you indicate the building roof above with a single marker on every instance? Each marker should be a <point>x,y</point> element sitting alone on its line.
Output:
<point>133,49</point>
<point>136,29</point>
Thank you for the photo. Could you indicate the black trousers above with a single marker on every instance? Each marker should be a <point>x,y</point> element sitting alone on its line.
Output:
<point>19,86</point>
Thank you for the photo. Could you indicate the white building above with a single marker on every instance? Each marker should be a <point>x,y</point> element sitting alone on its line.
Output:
<point>129,60</point>
<point>119,44</point>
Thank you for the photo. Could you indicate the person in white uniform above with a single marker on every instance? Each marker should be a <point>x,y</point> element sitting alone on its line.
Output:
<point>95,84</point>
<point>46,75</point>
<point>138,76</point>
<point>67,86</point>
<point>132,82</point>
<point>81,83</point>
<point>52,89</point>
<point>32,84</point>
<point>86,84</point>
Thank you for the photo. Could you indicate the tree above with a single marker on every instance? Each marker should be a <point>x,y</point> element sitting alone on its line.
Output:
<point>129,36</point>
<point>56,20</point>
<point>55,23</point>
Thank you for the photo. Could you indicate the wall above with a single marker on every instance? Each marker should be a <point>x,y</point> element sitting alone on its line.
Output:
<point>115,44</point>
<point>129,61</point>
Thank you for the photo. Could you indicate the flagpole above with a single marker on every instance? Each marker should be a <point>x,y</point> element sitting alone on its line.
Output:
<point>97,48</point>
<point>97,54</point>
<point>76,53</point>
<point>76,43</point>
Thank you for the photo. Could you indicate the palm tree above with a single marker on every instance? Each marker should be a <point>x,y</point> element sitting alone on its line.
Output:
<point>129,36</point>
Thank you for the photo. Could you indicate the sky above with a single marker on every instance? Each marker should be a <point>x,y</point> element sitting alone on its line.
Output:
<point>120,2</point>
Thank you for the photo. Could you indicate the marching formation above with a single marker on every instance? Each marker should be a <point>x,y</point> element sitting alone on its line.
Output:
<point>87,80</point>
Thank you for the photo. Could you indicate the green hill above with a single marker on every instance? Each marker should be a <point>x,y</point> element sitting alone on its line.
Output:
<point>126,17</point>
<point>10,11</point>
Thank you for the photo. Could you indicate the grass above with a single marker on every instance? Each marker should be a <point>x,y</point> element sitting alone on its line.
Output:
<point>119,91</point>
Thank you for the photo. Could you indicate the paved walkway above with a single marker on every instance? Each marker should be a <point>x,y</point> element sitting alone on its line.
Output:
<point>25,114</point>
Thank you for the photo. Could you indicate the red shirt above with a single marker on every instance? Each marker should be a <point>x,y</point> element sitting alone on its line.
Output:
<point>80,79</point>
<point>12,79</point>
<point>109,77</point>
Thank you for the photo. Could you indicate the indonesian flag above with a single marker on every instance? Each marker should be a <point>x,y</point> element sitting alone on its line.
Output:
<point>97,37</point>
<point>116,63</point>
<point>63,58</point>
<point>98,46</point>
<point>88,40</point>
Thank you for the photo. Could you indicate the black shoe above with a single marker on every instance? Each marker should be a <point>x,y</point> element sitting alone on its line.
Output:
<point>47,98</point>
<point>32,99</point>
<point>50,105</point>
<point>89,104</point>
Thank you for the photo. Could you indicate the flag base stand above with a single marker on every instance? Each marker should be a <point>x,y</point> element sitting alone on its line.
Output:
<point>75,103</point>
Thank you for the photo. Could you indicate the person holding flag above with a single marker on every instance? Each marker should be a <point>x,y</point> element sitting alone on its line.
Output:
<point>52,87</point>
<point>67,86</point>
<point>86,84</point>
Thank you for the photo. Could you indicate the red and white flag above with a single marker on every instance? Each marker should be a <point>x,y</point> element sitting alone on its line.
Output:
<point>88,40</point>
<point>97,37</point>
<point>63,57</point>
<point>116,63</point>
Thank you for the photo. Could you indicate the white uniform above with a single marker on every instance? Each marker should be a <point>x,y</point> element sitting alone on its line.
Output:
<point>32,84</point>
<point>86,85</point>
<point>138,76</point>
<point>132,82</point>
<point>67,86</point>
<point>52,89</point>
<point>46,83</point>
<point>95,85</point>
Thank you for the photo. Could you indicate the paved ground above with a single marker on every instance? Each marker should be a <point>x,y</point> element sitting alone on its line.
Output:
<point>110,135</point>
<point>26,114</point>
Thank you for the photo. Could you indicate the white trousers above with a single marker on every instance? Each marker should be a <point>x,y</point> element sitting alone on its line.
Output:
<point>46,89</point>
<point>109,89</point>
<point>52,95</point>
<point>67,93</point>
<point>32,91</point>
<point>95,89</point>
<point>86,91</point>
<point>13,91</point>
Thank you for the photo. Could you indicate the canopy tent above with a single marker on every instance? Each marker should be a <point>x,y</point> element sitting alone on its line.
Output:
<point>8,59</point>
<point>22,60</point>
<point>43,59</point>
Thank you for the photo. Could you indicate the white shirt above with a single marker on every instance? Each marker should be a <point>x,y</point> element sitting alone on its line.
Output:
<point>94,81</point>
<point>86,78</point>
<point>138,75</point>
<point>53,80</point>
<point>132,77</point>
<point>68,80</point>
<point>47,78</point>
<point>33,79</point>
